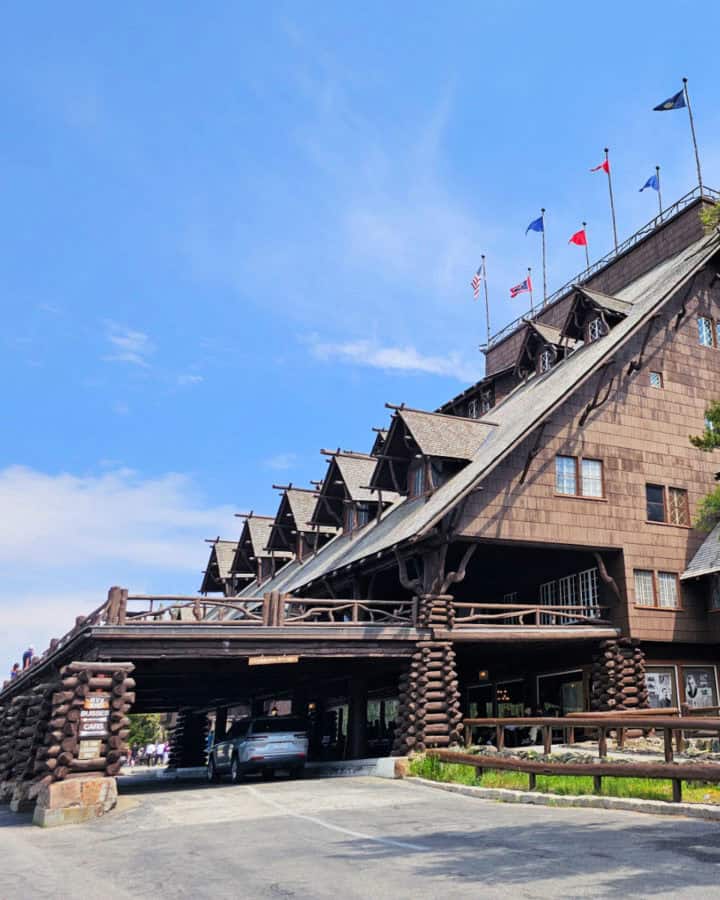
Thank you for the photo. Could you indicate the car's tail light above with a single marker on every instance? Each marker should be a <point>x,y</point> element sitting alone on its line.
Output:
<point>255,758</point>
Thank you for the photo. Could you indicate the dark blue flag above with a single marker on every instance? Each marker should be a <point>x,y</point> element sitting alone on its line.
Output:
<point>677,101</point>
<point>536,225</point>
<point>652,182</point>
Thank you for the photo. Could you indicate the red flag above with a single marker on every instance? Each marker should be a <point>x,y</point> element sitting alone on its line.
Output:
<point>605,166</point>
<point>579,238</point>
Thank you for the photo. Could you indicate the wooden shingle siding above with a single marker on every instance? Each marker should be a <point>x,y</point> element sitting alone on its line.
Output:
<point>641,435</point>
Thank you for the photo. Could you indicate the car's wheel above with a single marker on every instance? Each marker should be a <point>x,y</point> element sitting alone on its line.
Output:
<point>267,774</point>
<point>212,773</point>
<point>235,773</point>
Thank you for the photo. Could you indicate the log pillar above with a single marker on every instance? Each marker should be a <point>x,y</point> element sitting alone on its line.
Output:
<point>188,742</point>
<point>357,719</point>
<point>618,676</point>
<point>430,714</point>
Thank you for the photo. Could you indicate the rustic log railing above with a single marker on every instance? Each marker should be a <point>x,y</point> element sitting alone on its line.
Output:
<point>675,772</point>
<point>468,613</point>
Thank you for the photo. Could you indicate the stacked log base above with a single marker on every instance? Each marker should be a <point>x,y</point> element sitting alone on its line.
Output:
<point>188,741</point>
<point>429,713</point>
<point>618,676</point>
<point>101,689</point>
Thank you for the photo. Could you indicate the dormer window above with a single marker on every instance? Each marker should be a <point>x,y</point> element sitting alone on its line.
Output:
<point>349,517</point>
<point>487,399</point>
<point>545,361</point>
<point>362,515</point>
<point>416,478</point>
<point>473,409</point>
<point>595,329</point>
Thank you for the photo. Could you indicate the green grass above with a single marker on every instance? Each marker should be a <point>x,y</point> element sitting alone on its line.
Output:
<point>641,788</point>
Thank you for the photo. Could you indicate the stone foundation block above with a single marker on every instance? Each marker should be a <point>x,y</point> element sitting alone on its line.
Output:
<point>75,800</point>
<point>21,801</point>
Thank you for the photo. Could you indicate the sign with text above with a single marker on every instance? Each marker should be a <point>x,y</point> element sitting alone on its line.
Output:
<point>94,717</point>
<point>90,749</point>
<point>272,660</point>
<point>96,701</point>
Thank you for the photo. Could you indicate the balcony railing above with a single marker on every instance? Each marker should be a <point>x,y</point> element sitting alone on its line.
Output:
<point>490,615</point>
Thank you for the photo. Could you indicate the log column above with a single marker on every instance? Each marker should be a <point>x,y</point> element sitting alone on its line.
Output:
<point>618,676</point>
<point>430,714</point>
<point>357,719</point>
<point>188,741</point>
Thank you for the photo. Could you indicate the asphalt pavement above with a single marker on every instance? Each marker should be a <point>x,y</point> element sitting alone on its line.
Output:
<point>352,838</point>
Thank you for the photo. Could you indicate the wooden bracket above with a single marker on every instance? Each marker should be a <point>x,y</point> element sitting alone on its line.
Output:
<point>597,401</point>
<point>682,312</point>
<point>532,453</point>
<point>636,364</point>
<point>606,576</point>
<point>459,574</point>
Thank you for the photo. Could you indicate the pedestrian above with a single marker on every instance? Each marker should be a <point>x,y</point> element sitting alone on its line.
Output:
<point>15,671</point>
<point>28,657</point>
<point>150,754</point>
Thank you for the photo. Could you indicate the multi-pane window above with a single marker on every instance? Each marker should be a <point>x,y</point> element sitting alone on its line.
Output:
<point>644,588</point>
<point>546,361</point>
<point>656,379</point>
<point>548,593</point>
<point>656,589</point>
<point>363,514</point>
<point>705,331</point>
<point>715,592</point>
<point>594,329</point>
<point>473,409</point>
<point>578,477</point>
<point>591,480</point>
<point>678,506</point>
<point>512,597</point>
<point>487,399</point>
<point>416,479</point>
<point>589,594</point>
<point>566,475</point>
<point>567,590</point>
<point>667,505</point>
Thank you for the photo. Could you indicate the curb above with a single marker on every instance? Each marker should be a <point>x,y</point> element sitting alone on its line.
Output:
<point>533,798</point>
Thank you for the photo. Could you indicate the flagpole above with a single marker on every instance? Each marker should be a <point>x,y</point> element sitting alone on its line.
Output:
<point>657,173</point>
<point>487,303</point>
<point>692,131</point>
<point>587,251</point>
<point>532,310</point>
<point>542,215</point>
<point>612,199</point>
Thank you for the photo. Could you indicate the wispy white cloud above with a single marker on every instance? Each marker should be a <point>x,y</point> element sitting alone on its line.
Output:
<point>71,536</point>
<point>402,359</point>
<point>281,462</point>
<point>127,345</point>
<point>184,380</point>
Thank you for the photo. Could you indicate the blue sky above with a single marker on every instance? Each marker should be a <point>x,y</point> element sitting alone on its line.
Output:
<point>230,233</point>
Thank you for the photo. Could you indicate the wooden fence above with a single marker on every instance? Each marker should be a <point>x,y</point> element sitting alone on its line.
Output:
<point>468,614</point>
<point>669,725</point>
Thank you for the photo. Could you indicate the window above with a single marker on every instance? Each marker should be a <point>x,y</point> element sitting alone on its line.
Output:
<point>473,409</point>
<point>657,590</point>
<point>349,517</point>
<point>546,361</point>
<point>565,475</point>
<point>715,592</point>
<point>548,593</point>
<point>594,329</point>
<point>678,506</point>
<point>416,478</point>
<point>656,380</point>
<point>568,590</point>
<point>362,516</point>
<point>589,593</point>
<point>667,505</point>
<point>655,502</point>
<point>705,331</point>
<point>590,480</point>
<point>487,399</point>
<point>511,597</point>
<point>644,589</point>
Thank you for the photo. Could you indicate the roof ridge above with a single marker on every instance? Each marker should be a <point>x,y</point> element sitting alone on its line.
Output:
<point>440,415</point>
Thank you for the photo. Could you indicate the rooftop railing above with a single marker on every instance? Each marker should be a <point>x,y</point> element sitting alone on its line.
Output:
<point>626,245</point>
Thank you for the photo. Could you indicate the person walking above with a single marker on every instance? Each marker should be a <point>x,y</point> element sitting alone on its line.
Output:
<point>15,671</point>
<point>28,657</point>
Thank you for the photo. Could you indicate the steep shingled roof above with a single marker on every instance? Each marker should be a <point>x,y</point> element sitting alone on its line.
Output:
<point>450,437</point>
<point>222,553</point>
<point>517,416</point>
<point>707,560</point>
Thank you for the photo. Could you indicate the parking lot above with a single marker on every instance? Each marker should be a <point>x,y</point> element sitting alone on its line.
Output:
<point>352,837</point>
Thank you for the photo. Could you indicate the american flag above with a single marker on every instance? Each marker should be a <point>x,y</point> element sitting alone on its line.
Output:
<point>523,288</point>
<point>476,282</point>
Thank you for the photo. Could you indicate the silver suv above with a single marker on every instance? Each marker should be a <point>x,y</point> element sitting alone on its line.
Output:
<point>260,745</point>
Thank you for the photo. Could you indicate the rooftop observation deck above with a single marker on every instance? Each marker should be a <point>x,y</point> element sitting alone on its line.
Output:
<point>642,234</point>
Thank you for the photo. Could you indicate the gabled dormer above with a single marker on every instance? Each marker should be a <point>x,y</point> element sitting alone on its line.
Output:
<point>424,449</point>
<point>592,314</point>
<point>345,499</point>
<point>291,530</point>
<point>217,577</point>
<point>477,400</point>
<point>252,556</point>
<point>540,350</point>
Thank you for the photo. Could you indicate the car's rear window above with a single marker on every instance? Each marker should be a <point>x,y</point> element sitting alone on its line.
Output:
<point>277,724</point>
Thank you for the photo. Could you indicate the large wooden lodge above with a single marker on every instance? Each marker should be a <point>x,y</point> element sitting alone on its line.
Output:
<point>530,544</point>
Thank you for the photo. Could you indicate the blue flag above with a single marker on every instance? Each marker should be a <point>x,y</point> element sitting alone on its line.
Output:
<point>677,101</point>
<point>652,182</point>
<point>536,225</point>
